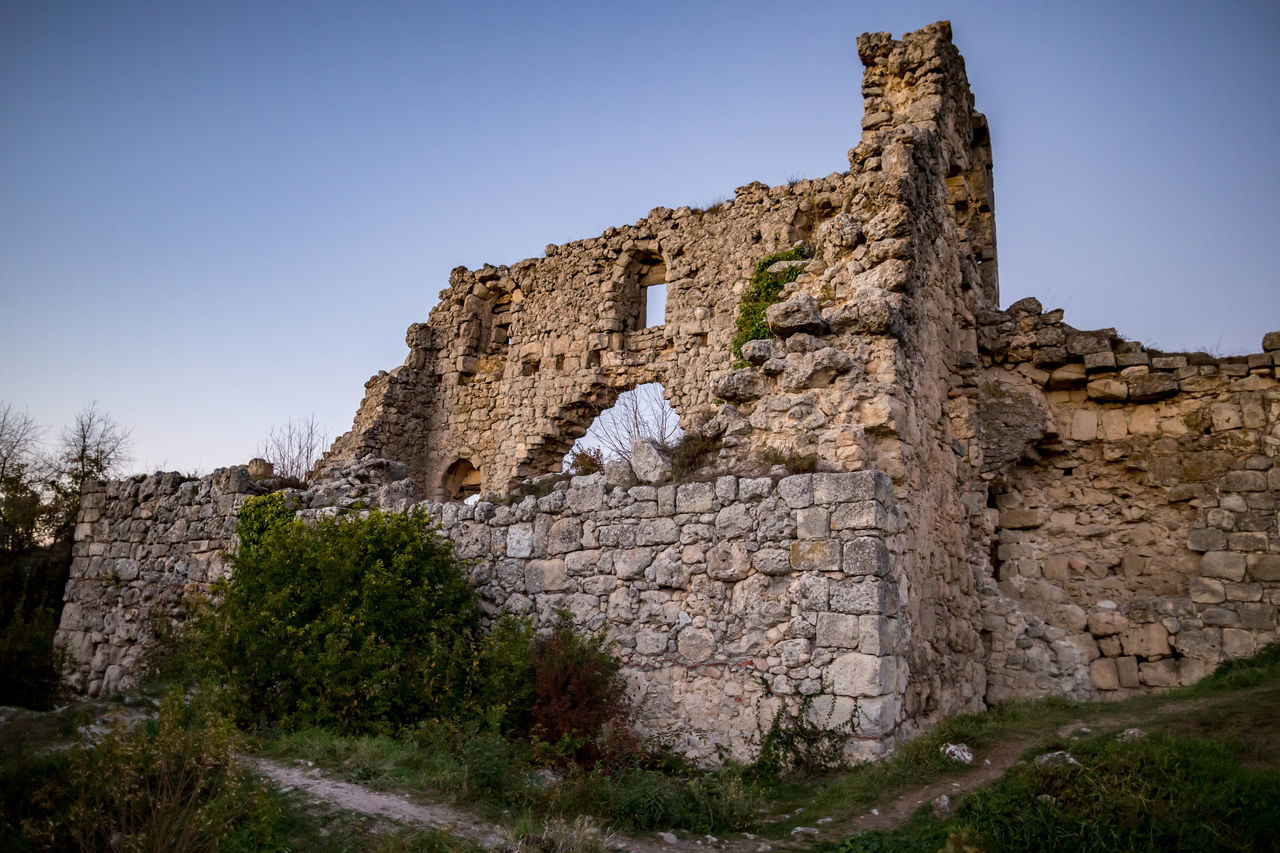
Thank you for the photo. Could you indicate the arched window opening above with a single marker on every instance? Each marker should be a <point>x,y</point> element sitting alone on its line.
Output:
<point>642,412</point>
<point>462,481</point>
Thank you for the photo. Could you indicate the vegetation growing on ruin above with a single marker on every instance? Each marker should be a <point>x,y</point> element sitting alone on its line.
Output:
<point>764,290</point>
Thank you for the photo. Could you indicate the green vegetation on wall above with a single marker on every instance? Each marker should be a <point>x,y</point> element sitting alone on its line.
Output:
<point>764,290</point>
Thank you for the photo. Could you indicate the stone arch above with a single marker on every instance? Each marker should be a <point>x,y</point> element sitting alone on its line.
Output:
<point>462,480</point>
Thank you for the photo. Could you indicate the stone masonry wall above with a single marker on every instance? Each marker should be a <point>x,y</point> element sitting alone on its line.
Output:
<point>725,599</point>
<point>1133,507</point>
<point>141,547</point>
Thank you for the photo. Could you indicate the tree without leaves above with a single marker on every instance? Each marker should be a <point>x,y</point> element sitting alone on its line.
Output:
<point>641,412</point>
<point>295,447</point>
<point>93,447</point>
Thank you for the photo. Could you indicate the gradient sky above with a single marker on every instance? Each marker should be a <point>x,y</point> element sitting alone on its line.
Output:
<point>217,216</point>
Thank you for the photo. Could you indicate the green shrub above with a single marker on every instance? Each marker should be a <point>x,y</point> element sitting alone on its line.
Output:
<point>795,463</point>
<point>795,744</point>
<point>764,290</point>
<point>362,624</point>
<point>170,783</point>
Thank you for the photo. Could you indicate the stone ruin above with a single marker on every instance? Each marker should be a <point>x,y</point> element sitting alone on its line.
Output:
<point>1000,505</point>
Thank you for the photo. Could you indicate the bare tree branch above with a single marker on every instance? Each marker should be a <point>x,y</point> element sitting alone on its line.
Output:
<point>641,412</point>
<point>295,447</point>
<point>19,445</point>
<point>93,447</point>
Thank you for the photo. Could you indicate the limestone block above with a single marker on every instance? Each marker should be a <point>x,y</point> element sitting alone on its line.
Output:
<point>1244,481</point>
<point>758,352</point>
<point>650,461</point>
<point>772,561</point>
<point>1206,539</point>
<point>796,652</point>
<point>820,555</point>
<point>651,642</point>
<point>1146,640</point>
<point>1163,673</point>
<point>865,555</point>
<point>1103,623</point>
<point>631,563</point>
<point>856,674</point>
<point>545,576</point>
<point>582,563</point>
<point>797,490</point>
<point>863,596</point>
<point>1225,416</point>
<point>738,386</point>
<point>859,515</point>
<point>798,314</point>
<point>1237,643</point>
<point>1084,425</point>
<point>813,523</point>
<point>1223,564</point>
<point>1271,342</point>
<point>695,644</point>
<point>811,592</point>
<point>878,716</point>
<point>838,630</point>
<point>728,561</point>
<point>1206,591</point>
<point>1264,567</point>
<point>1127,671</point>
<point>695,497</point>
<point>565,535</point>
<point>877,634</point>
<point>1021,519</point>
<point>585,499</point>
<point>658,531</point>
<point>835,488</point>
<point>1066,377</point>
<point>734,521</point>
<point>1108,391</point>
<point>1104,674</point>
<point>1146,387</point>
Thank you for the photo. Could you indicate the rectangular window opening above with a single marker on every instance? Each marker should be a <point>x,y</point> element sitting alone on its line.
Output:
<point>655,305</point>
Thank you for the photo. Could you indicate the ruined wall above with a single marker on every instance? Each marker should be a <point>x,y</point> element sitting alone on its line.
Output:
<point>516,362</point>
<point>1003,506</point>
<point>141,547</point>
<point>1133,512</point>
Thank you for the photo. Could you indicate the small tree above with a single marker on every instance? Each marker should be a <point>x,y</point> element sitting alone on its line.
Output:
<point>295,447</point>
<point>93,447</point>
<point>22,471</point>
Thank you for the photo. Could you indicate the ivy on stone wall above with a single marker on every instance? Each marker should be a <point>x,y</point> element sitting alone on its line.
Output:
<point>764,290</point>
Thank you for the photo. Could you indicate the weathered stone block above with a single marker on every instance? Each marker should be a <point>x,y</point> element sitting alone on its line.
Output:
<point>1206,590</point>
<point>796,490</point>
<point>856,674</point>
<point>865,596</point>
<point>695,497</point>
<point>659,531</point>
<point>545,576</point>
<point>865,555</point>
<point>1127,672</point>
<point>1223,564</point>
<point>734,521</point>
<point>1206,539</point>
<point>1244,481</point>
<point>1146,387</point>
<point>1264,567</point>
<point>821,555</point>
<point>834,488</point>
<point>1104,674</point>
<point>1163,673</point>
<point>1104,623</point>
<point>1146,640</point>
<point>631,563</point>
<point>859,515</point>
<point>795,315</point>
<point>838,630</point>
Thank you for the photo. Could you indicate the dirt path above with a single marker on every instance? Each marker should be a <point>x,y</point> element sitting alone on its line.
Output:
<point>397,807</point>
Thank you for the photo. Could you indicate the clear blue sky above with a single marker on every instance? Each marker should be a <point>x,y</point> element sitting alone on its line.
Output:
<point>215,216</point>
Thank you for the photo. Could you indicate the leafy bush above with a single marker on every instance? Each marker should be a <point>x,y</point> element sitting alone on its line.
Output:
<point>170,783</point>
<point>361,624</point>
<point>795,744</point>
<point>577,694</point>
<point>764,290</point>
